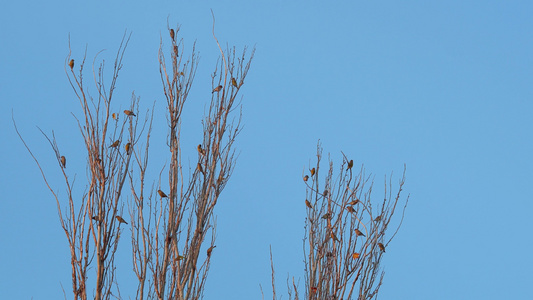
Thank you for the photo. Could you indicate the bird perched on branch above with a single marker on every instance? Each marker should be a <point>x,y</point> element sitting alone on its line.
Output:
<point>199,167</point>
<point>115,144</point>
<point>350,209</point>
<point>121,220</point>
<point>312,171</point>
<point>217,89</point>
<point>200,150</point>
<point>306,178</point>
<point>96,218</point>
<point>129,113</point>
<point>326,216</point>
<point>378,218</point>
<point>114,115</point>
<point>354,202</point>
<point>308,204</point>
<point>381,247</point>
<point>355,255</point>
<point>172,33</point>
<point>234,82</point>
<point>162,194</point>
<point>71,64</point>
<point>63,162</point>
<point>210,250</point>
<point>180,257</point>
<point>359,233</point>
<point>350,164</point>
<point>127,148</point>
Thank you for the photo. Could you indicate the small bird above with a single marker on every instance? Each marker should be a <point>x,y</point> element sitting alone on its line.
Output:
<point>306,178</point>
<point>199,167</point>
<point>200,150</point>
<point>172,33</point>
<point>96,218</point>
<point>308,203</point>
<point>71,64</point>
<point>326,216</point>
<point>381,247</point>
<point>350,209</point>
<point>129,113</point>
<point>378,218</point>
<point>120,219</point>
<point>325,193</point>
<point>127,148</point>
<point>334,237</point>
<point>358,232</point>
<point>162,194</point>
<point>350,164</point>
<point>312,171</point>
<point>179,258</point>
<point>114,115</point>
<point>217,89</point>
<point>210,250</point>
<point>181,73</point>
<point>354,202</point>
<point>314,289</point>
<point>355,255</point>
<point>63,162</point>
<point>234,82</point>
<point>115,144</point>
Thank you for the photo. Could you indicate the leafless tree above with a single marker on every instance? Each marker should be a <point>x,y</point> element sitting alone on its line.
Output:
<point>171,224</point>
<point>345,238</point>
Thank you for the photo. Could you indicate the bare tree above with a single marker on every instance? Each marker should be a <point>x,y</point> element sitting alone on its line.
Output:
<point>345,236</point>
<point>171,224</point>
<point>173,227</point>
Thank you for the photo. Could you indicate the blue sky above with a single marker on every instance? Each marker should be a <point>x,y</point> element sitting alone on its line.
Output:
<point>443,87</point>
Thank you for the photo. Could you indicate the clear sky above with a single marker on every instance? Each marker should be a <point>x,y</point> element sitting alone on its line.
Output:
<point>444,87</point>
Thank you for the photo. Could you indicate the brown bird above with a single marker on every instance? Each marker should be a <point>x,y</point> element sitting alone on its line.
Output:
<point>71,64</point>
<point>308,203</point>
<point>350,164</point>
<point>200,150</point>
<point>312,171</point>
<point>210,250</point>
<point>199,167</point>
<point>217,89</point>
<point>115,144</point>
<point>358,232</point>
<point>326,216</point>
<point>127,148</point>
<point>306,178</point>
<point>63,162</point>
<point>355,255</point>
<point>381,247</point>
<point>114,115</point>
<point>325,193</point>
<point>234,82</point>
<point>350,209</point>
<point>162,194</point>
<point>314,289</point>
<point>96,218</point>
<point>172,33</point>
<point>179,258</point>
<point>129,113</point>
<point>120,220</point>
<point>378,218</point>
<point>354,202</point>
